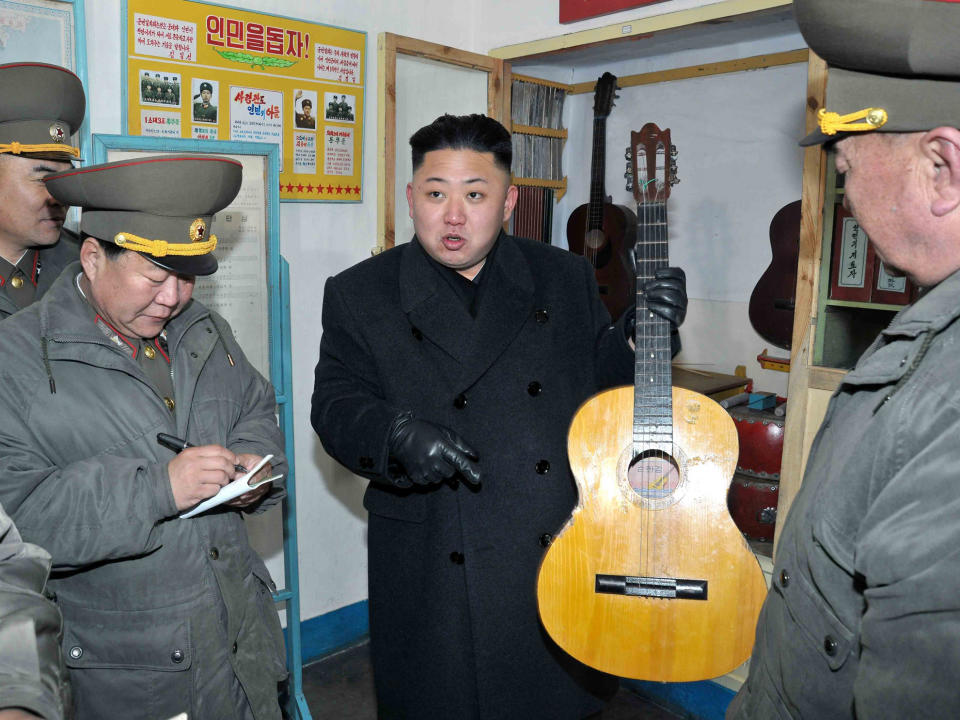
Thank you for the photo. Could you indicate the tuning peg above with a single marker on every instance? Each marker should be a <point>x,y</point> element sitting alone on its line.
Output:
<point>628,154</point>
<point>630,183</point>
<point>673,151</point>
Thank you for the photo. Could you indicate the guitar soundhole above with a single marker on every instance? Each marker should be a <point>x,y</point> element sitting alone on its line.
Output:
<point>654,476</point>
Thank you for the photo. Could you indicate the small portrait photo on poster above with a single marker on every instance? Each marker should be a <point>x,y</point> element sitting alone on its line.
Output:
<point>159,87</point>
<point>304,102</point>
<point>339,107</point>
<point>205,94</point>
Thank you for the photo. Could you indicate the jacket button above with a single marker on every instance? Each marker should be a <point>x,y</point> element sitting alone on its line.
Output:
<point>534,388</point>
<point>784,578</point>
<point>542,316</point>
<point>366,462</point>
<point>169,403</point>
<point>416,333</point>
<point>460,401</point>
<point>177,656</point>
<point>830,645</point>
<point>546,539</point>
<point>76,652</point>
<point>456,558</point>
<point>234,649</point>
<point>543,467</point>
<point>149,352</point>
<point>214,553</point>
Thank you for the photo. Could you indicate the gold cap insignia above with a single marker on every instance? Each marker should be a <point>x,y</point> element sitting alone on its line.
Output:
<point>57,133</point>
<point>198,230</point>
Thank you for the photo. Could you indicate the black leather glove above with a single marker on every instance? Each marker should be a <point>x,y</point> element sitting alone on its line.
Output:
<point>430,453</point>
<point>667,295</point>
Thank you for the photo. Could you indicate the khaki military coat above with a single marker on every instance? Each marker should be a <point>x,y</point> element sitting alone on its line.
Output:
<point>863,619</point>
<point>52,261</point>
<point>161,615</point>
<point>32,674</point>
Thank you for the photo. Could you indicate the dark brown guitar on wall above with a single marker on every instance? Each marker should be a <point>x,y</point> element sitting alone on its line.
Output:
<point>774,297</point>
<point>601,231</point>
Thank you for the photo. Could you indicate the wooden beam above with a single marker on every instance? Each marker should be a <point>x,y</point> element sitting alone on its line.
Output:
<point>634,29</point>
<point>386,138</point>
<point>728,66</point>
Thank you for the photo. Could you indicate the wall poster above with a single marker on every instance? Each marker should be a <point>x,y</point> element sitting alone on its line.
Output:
<point>211,72</point>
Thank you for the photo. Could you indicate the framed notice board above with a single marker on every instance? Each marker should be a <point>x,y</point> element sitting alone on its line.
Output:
<point>251,289</point>
<point>212,72</point>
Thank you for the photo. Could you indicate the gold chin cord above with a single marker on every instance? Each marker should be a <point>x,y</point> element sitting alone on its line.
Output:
<point>162,248</point>
<point>831,123</point>
<point>20,148</point>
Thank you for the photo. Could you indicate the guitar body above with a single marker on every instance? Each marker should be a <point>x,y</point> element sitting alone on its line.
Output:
<point>773,298</point>
<point>608,251</point>
<point>680,528</point>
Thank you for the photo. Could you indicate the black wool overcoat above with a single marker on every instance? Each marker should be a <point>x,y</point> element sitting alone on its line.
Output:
<point>452,569</point>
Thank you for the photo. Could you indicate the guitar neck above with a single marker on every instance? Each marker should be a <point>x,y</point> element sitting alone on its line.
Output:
<point>597,173</point>
<point>653,393</point>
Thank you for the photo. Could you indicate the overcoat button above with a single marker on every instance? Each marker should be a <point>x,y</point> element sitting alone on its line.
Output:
<point>543,467</point>
<point>366,462</point>
<point>784,578</point>
<point>416,332</point>
<point>542,316</point>
<point>460,401</point>
<point>214,553</point>
<point>830,645</point>
<point>546,539</point>
<point>17,282</point>
<point>149,352</point>
<point>76,652</point>
<point>177,656</point>
<point>534,388</point>
<point>169,403</point>
<point>456,558</point>
<point>234,649</point>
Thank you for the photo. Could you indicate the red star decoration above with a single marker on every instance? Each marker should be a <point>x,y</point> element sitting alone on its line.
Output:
<point>356,189</point>
<point>309,188</point>
<point>281,186</point>
<point>339,190</point>
<point>349,190</point>
<point>289,188</point>
<point>300,188</point>
<point>330,189</point>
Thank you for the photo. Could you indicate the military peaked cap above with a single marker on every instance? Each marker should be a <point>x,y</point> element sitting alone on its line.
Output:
<point>41,106</point>
<point>894,65</point>
<point>160,206</point>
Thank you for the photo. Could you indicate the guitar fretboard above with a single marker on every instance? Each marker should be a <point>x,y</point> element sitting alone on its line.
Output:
<point>597,173</point>
<point>653,394</point>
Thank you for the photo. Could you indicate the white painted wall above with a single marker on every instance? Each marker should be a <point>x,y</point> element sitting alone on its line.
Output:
<point>332,522</point>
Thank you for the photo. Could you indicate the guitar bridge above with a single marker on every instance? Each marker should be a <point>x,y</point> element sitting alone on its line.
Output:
<point>656,587</point>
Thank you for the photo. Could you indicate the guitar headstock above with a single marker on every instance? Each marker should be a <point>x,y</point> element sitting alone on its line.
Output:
<point>652,168</point>
<point>604,95</point>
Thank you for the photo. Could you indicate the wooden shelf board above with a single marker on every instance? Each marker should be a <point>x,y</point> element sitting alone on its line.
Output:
<point>864,305</point>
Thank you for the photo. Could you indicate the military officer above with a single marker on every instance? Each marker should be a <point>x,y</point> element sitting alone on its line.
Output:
<point>203,111</point>
<point>162,615</point>
<point>304,118</point>
<point>42,106</point>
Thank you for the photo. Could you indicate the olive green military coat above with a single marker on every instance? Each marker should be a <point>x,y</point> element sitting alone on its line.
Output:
<point>52,262</point>
<point>161,615</point>
<point>32,675</point>
<point>863,619</point>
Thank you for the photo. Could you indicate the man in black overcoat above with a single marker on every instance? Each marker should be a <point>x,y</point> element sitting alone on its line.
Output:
<point>450,368</point>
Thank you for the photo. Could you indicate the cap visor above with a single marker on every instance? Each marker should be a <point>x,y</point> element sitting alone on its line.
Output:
<point>186,264</point>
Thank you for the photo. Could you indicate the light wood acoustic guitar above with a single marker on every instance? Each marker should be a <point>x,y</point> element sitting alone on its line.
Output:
<point>650,577</point>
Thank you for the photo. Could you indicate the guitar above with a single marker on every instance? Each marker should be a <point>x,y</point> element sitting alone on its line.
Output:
<point>773,297</point>
<point>600,231</point>
<point>650,577</point>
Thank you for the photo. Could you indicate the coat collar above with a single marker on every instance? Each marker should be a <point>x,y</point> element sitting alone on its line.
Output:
<point>433,308</point>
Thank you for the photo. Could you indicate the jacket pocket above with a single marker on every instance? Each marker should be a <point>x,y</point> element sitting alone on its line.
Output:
<point>406,505</point>
<point>129,662</point>
<point>139,640</point>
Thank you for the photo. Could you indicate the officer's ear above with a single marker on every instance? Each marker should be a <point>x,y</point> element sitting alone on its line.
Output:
<point>92,257</point>
<point>942,146</point>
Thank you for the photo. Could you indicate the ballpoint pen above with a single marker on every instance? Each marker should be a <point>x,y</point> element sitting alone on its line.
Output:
<point>177,444</point>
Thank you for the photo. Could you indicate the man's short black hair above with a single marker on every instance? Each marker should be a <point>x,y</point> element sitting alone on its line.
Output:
<point>464,132</point>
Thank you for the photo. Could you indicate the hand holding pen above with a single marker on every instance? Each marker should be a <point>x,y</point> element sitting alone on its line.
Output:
<point>197,472</point>
<point>177,445</point>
